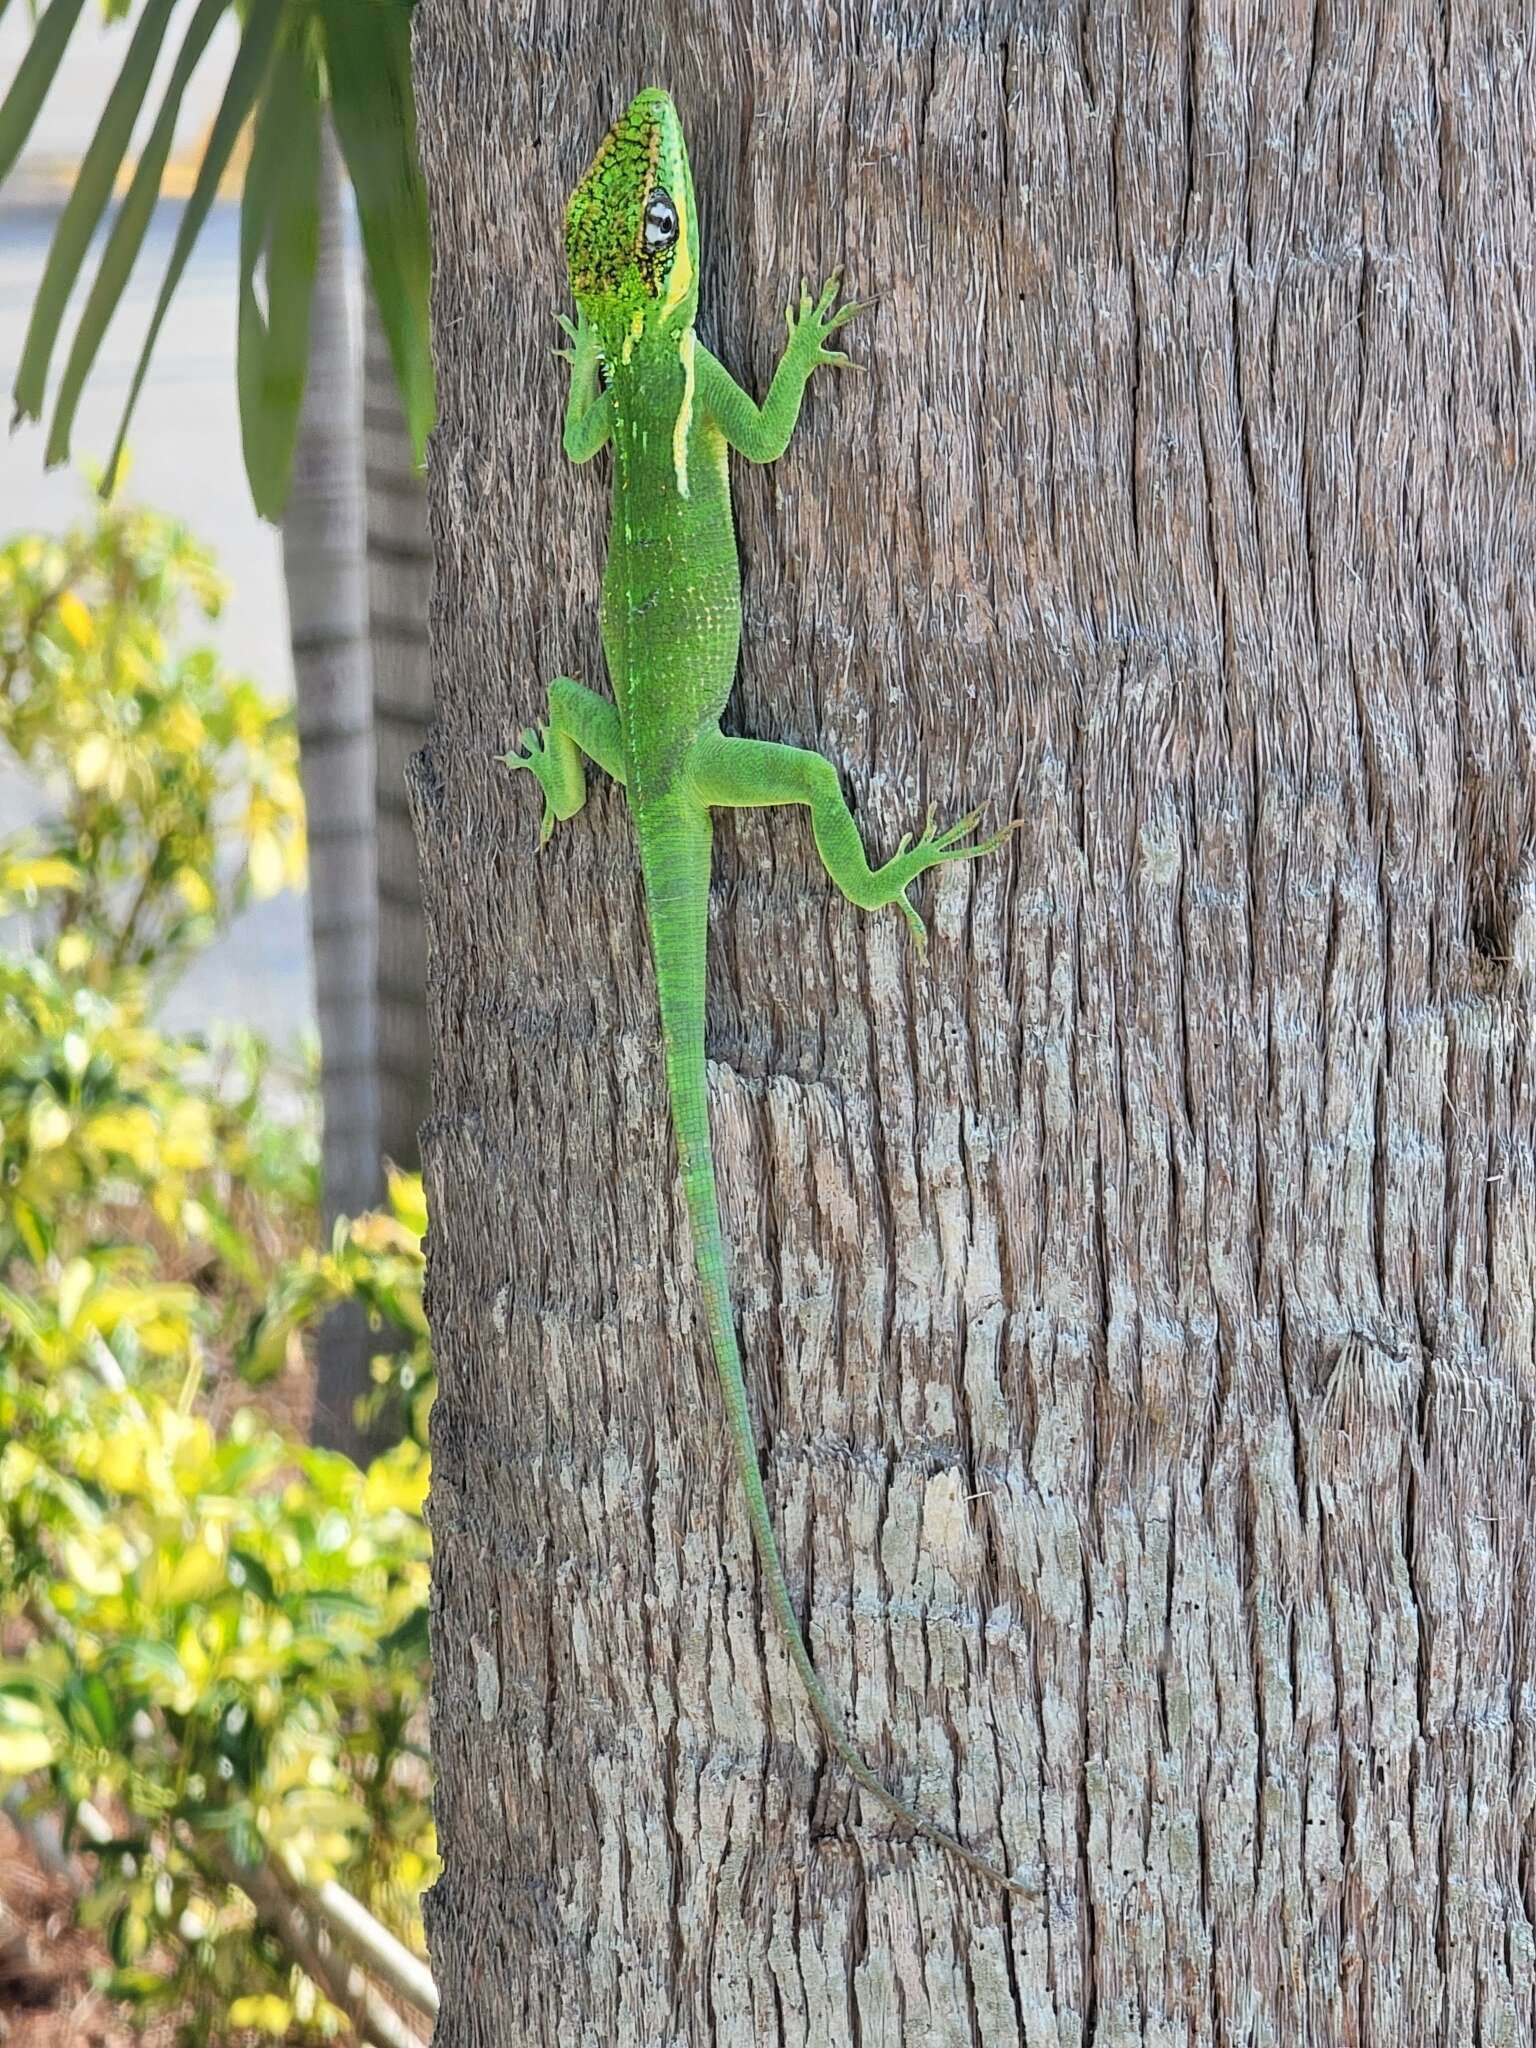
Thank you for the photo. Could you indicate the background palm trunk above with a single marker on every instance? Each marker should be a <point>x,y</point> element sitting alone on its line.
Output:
<point>1140,1296</point>
<point>399,588</point>
<point>323,570</point>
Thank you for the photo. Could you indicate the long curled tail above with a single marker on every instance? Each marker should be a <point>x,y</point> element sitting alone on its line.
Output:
<point>675,856</point>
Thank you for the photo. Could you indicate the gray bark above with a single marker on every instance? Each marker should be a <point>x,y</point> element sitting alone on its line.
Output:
<point>399,587</point>
<point>1139,1297</point>
<point>327,616</point>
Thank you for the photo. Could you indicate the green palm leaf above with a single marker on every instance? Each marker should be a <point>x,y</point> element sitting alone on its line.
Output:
<point>245,82</point>
<point>280,230</point>
<point>86,204</point>
<point>364,75</point>
<point>33,77</point>
<point>127,236</point>
<point>368,59</point>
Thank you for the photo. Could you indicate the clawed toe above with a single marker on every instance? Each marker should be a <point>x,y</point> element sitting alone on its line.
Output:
<point>915,924</point>
<point>949,841</point>
<point>991,844</point>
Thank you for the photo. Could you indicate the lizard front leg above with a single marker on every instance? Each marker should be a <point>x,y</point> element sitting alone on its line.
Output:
<point>588,406</point>
<point>739,774</point>
<point>580,722</point>
<point>761,432</point>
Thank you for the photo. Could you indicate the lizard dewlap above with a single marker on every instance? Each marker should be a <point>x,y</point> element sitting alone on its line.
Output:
<point>643,385</point>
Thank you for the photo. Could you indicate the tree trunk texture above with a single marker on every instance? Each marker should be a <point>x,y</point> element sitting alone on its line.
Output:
<point>399,586</point>
<point>1138,1295</point>
<point>328,627</point>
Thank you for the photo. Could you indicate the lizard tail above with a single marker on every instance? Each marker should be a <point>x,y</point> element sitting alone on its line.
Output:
<point>675,858</point>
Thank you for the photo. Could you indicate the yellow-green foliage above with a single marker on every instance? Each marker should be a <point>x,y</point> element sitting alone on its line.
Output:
<point>376,1260</point>
<point>176,782</point>
<point>224,1630</point>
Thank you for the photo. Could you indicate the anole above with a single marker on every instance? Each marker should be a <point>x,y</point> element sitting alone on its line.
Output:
<point>642,383</point>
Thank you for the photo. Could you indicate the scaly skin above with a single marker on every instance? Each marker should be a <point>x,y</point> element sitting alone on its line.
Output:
<point>643,384</point>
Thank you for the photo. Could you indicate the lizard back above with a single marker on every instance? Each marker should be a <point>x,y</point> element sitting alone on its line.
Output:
<point>671,610</point>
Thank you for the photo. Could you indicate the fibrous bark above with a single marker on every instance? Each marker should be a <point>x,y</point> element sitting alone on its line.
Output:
<point>1139,1296</point>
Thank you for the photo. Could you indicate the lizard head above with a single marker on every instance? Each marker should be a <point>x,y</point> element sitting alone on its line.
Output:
<point>631,232</point>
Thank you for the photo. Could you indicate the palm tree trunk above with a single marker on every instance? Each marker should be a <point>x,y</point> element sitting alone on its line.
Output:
<point>1138,1297</point>
<point>399,587</point>
<point>323,572</point>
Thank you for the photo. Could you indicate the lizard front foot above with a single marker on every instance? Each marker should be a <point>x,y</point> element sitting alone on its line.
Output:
<point>810,326</point>
<point>551,760</point>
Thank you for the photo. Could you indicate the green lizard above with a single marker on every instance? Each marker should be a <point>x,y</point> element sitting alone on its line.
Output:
<point>671,623</point>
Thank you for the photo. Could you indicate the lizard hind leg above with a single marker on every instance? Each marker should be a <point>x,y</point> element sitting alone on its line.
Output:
<point>580,723</point>
<point>737,774</point>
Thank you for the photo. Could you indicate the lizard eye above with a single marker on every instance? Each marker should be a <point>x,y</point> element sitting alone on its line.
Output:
<point>660,227</point>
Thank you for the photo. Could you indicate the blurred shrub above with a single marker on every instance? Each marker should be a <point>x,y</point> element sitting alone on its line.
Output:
<point>376,1260</point>
<point>176,783</point>
<point>215,1635</point>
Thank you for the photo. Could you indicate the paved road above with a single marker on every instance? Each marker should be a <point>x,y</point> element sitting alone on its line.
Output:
<point>186,460</point>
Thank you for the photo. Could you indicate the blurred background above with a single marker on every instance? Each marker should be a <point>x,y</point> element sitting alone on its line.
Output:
<point>186,444</point>
<point>214,1369</point>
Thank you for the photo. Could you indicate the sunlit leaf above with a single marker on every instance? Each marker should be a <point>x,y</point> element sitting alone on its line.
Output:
<point>265,865</point>
<point>199,1571</point>
<point>398,1479</point>
<point>23,1750</point>
<point>124,1464</point>
<point>93,761</point>
<point>267,2014</point>
<point>75,619</point>
<point>408,1199</point>
<point>135,1987</point>
<point>49,1124</point>
<point>74,1285</point>
<point>196,891</point>
<point>90,1572</point>
<point>23,876</point>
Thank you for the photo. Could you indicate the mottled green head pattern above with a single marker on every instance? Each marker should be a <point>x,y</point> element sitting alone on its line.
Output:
<point>631,231</point>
